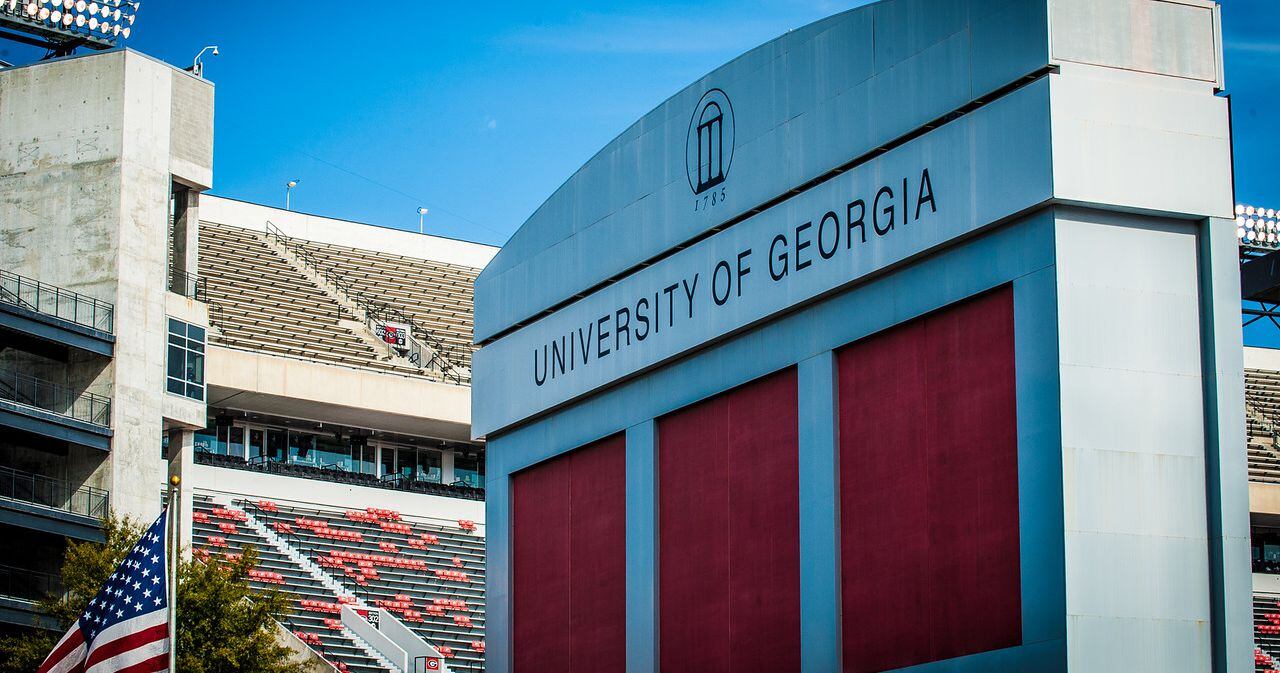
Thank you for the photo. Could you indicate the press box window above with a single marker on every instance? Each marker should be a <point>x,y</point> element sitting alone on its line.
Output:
<point>186,360</point>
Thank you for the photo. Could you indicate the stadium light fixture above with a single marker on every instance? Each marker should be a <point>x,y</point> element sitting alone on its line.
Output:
<point>288,191</point>
<point>422,212</point>
<point>60,26</point>
<point>197,65</point>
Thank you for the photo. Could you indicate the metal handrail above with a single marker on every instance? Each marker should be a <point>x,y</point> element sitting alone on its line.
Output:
<point>50,492</point>
<point>380,312</point>
<point>28,585</point>
<point>35,392</point>
<point>56,301</point>
<point>189,285</point>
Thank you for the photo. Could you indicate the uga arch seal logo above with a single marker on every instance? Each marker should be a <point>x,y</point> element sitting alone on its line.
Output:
<point>708,151</point>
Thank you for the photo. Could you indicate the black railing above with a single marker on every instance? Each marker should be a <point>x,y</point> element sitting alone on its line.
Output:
<point>28,585</point>
<point>56,301</point>
<point>34,392</point>
<point>49,492</point>
<point>380,312</point>
<point>188,285</point>
<point>337,474</point>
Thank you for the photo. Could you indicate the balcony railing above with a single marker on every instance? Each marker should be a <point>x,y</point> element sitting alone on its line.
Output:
<point>28,585</point>
<point>337,474</point>
<point>33,392</point>
<point>188,285</point>
<point>49,492</point>
<point>56,301</point>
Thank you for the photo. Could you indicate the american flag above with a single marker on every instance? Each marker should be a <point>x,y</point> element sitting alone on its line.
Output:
<point>126,627</point>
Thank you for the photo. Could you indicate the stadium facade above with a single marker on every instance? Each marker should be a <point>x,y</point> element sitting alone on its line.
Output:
<point>307,377</point>
<point>909,340</point>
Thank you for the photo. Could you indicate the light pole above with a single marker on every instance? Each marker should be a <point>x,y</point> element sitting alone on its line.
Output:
<point>421,213</point>
<point>197,67</point>
<point>288,190</point>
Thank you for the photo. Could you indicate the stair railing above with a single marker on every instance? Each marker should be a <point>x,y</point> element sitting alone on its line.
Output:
<point>378,311</point>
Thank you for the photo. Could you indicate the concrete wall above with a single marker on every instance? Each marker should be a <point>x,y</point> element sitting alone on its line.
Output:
<point>345,232</point>
<point>309,492</point>
<point>322,392</point>
<point>86,165</point>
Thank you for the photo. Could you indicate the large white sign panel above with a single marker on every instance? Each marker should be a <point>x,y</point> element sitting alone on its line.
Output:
<point>969,173</point>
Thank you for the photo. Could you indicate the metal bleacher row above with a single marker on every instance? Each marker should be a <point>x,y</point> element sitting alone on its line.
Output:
<point>436,295</point>
<point>1266,633</point>
<point>429,574</point>
<point>260,302</point>
<point>1262,417</point>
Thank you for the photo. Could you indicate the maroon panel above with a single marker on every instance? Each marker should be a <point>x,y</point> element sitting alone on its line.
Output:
<point>568,562</point>
<point>539,565</point>
<point>597,552</point>
<point>928,488</point>
<point>729,594</point>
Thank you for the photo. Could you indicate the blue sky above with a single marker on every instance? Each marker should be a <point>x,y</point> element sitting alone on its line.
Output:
<point>478,111</point>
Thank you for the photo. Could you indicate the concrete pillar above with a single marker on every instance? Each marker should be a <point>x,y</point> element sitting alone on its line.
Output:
<point>181,462</point>
<point>642,548</point>
<point>184,242</point>
<point>819,518</point>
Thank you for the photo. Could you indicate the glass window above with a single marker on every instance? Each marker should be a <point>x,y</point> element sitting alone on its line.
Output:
<point>429,466</point>
<point>362,458</point>
<point>406,462</point>
<point>209,441</point>
<point>332,452</point>
<point>276,441</point>
<point>185,360</point>
<point>255,443</point>
<point>469,471</point>
<point>302,447</point>
<point>235,441</point>
<point>387,461</point>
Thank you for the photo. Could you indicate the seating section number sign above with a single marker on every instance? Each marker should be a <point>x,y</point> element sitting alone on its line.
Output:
<point>394,334</point>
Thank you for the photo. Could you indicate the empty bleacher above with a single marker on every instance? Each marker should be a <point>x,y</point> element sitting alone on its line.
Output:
<point>1266,633</point>
<point>1262,417</point>
<point>260,302</point>
<point>1262,412</point>
<point>429,573</point>
<point>436,295</point>
<point>213,534</point>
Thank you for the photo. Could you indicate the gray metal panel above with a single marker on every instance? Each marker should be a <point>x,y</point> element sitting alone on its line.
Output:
<point>497,563</point>
<point>803,104</point>
<point>819,515</point>
<point>1230,580</point>
<point>1166,37</point>
<point>1040,510</point>
<point>981,168</point>
<point>642,548</point>
<point>1132,443</point>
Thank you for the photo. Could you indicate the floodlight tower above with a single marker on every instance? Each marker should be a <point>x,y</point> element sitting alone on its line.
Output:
<point>60,26</point>
<point>1258,230</point>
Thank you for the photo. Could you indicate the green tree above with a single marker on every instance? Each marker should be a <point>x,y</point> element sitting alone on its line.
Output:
<point>224,625</point>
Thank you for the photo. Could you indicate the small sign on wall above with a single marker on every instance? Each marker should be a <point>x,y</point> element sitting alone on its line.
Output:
<point>370,616</point>
<point>394,333</point>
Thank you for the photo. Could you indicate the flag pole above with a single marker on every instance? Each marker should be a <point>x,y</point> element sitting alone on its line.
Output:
<point>175,494</point>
